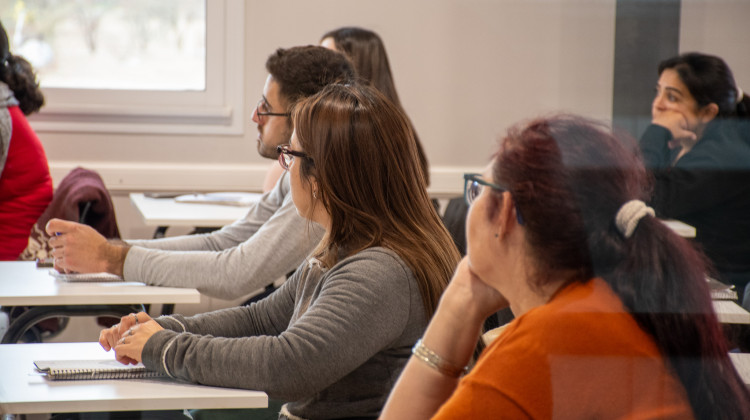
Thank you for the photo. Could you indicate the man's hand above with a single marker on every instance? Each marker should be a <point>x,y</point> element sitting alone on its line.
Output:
<point>80,248</point>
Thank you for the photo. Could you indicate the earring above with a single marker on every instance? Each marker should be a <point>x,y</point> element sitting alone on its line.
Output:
<point>315,195</point>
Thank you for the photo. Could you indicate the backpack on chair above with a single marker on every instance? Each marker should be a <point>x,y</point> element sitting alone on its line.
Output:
<point>82,197</point>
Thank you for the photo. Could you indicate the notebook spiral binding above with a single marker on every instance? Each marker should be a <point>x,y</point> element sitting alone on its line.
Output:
<point>91,374</point>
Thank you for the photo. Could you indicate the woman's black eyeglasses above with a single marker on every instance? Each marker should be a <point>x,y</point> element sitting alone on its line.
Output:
<point>287,155</point>
<point>473,185</point>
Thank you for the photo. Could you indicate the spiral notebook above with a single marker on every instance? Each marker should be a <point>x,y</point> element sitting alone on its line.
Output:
<point>85,277</point>
<point>721,291</point>
<point>242,199</point>
<point>67,370</point>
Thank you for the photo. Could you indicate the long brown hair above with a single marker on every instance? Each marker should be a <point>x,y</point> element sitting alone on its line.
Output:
<point>364,159</point>
<point>367,52</point>
<point>568,177</point>
<point>20,77</point>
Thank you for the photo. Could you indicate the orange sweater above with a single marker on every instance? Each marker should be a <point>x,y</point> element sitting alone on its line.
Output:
<point>579,356</point>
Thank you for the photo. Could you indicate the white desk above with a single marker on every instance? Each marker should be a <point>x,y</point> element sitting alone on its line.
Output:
<point>682,229</point>
<point>741,362</point>
<point>167,212</point>
<point>22,284</point>
<point>731,313</point>
<point>22,391</point>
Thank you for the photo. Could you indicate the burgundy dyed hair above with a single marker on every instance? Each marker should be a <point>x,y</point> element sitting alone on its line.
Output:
<point>568,177</point>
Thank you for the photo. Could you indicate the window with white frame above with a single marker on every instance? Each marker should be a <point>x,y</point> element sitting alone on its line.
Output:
<point>166,66</point>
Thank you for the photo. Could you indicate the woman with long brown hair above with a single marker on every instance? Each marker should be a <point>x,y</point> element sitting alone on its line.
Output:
<point>334,337</point>
<point>613,313</point>
<point>366,50</point>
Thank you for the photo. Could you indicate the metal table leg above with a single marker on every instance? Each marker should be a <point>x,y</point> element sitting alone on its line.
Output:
<point>34,315</point>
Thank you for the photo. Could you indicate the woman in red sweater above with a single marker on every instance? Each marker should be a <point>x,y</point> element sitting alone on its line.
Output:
<point>25,182</point>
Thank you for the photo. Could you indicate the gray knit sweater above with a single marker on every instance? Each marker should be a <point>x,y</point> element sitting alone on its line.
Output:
<point>268,243</point>
<point>332,342</point>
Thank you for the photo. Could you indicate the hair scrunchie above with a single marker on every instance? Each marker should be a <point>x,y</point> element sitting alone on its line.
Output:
<point>630,214</point>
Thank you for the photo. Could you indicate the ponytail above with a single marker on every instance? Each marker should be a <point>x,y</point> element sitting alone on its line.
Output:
<point>591,223</point>
<point>661,280</point>
<point>19,75</point>
<point>743,106</point>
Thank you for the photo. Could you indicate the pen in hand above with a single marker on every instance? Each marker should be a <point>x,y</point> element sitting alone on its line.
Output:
<point>45,262</point>
<point>53,260</point>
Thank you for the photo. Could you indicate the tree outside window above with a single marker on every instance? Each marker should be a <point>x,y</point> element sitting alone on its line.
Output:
<point>111,44</point>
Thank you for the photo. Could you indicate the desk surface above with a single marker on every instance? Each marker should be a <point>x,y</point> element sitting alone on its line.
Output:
<point>682,229</point>
<point>22,284</point>
<point>741,362</point>
<point>167,212</point>
<point>22,391</point>
<point>731,313</point>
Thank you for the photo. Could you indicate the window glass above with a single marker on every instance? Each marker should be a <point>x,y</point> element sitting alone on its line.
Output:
<point>111,44</point>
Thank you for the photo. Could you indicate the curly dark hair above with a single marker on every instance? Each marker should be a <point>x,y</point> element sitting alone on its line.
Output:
<point>20,77</point>
<point>304,71</point>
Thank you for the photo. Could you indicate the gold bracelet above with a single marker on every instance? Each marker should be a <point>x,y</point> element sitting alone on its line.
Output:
<point>436,362</point>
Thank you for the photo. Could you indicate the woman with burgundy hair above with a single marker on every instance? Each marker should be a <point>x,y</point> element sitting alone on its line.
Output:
<point>613,313</point>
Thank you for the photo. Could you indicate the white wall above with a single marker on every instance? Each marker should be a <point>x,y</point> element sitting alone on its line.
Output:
<point>719,27</point>
<point>465,71</point>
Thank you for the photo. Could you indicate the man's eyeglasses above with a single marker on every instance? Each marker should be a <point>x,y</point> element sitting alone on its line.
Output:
<point>473,185</point>
<point>287,155</point>
<point>261,110</point>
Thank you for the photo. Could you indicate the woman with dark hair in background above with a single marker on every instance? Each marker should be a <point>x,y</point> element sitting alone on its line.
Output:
<point>25,182</point>
<point>333,338</point>
<point>367,52</point>
<point>698,148</point>
<point>613,313</point>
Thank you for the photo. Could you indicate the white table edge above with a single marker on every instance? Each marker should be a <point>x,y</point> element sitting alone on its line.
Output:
<point>19,363</point>
<point>237,212</point>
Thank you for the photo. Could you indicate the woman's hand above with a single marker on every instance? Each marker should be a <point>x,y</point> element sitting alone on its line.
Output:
<point>112,337</point>
<point>677,124</point>
<point>129,348</point>
<point>452,335</point>
<point>467,294</point>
